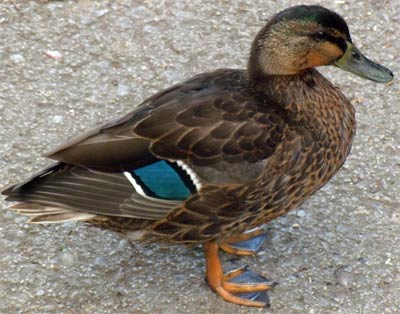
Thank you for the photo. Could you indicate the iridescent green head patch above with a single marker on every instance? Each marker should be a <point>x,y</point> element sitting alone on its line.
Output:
<point>314,13</point>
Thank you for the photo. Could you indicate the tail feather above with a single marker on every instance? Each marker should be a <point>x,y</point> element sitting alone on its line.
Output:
<point>30,209</point>
<point>46,214</point>
<point>15,189</point>
<point>64,192</point>
<point>62,217</point>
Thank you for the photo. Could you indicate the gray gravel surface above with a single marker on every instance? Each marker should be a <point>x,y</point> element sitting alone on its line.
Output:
<point>68,65</point>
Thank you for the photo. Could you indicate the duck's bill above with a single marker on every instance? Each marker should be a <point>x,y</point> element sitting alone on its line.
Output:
<point>355,62</point>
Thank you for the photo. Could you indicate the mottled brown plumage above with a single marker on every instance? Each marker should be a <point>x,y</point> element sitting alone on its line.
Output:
<point>309,142</point>
<point>248,145</point>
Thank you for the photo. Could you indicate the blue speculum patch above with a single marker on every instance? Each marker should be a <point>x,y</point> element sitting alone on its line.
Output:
<point>165,180</point>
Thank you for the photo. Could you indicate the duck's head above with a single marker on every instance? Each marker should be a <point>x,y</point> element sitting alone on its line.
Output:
<point>304,37</point>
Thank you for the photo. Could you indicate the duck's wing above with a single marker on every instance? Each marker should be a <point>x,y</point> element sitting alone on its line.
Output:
<point>147,163</point>
<point>65,192</point>
<point>205,120</point>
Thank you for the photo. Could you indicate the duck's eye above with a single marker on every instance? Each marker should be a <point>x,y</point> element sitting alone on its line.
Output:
<point>319,35</point>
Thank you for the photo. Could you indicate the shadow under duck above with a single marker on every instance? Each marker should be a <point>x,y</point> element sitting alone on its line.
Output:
<point>210,160</point>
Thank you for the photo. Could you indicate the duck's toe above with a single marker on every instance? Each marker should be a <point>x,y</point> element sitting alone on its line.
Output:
<point>246,280</point>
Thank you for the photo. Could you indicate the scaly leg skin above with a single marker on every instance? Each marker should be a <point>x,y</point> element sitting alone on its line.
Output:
<point>247,243</point>
<point>240,286</point>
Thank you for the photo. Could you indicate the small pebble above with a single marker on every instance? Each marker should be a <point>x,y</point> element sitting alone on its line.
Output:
<point>86,20</point>
<point>100,261</point>
<point>100,13</point>
<point>123,245</point>
<point>52,6</point>
<point>54,54</point>
<point>122,90</point>
<point>67,259</point>
<point>301,213</point>
<point>343,277</point>
<point>17,58</point>
<point>179,278</point>
<point>58,119</point>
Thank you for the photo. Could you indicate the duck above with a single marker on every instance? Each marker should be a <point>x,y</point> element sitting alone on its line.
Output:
<point>210,161</point>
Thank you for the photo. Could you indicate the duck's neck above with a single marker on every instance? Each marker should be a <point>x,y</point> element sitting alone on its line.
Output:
<point>282,85</point>
<point>311,101</point>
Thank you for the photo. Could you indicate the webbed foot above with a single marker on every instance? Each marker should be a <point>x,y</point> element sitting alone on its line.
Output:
<point>240,286</point>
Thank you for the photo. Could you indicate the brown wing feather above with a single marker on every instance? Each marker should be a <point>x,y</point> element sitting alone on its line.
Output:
<point>70,188</point>
<point>221,211</point>
<point>204,216</point>
<point>210,118</point>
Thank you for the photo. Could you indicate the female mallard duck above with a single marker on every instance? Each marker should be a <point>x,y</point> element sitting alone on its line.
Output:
<point>212,159</point>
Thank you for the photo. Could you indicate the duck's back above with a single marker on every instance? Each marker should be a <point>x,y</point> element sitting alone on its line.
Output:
<point>210,118</point>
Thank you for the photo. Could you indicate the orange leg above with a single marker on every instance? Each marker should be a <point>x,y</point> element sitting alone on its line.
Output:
<point>229,245</point>
<point>220,284</point>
